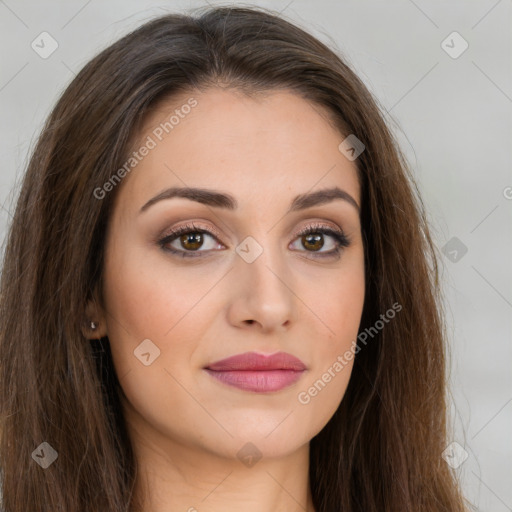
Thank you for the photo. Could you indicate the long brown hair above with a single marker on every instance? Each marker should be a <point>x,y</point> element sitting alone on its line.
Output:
<point>381,451</point>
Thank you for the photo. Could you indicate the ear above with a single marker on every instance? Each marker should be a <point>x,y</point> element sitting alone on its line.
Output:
<point>94,324</point>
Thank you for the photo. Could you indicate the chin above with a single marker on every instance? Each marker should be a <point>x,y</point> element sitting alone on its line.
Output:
<point>267,434</point>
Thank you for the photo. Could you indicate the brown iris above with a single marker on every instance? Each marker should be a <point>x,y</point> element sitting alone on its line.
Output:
<point>192,240</point>
<point>313,241</point>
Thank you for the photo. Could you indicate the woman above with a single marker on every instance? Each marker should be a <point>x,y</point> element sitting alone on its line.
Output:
<point>164,346</point>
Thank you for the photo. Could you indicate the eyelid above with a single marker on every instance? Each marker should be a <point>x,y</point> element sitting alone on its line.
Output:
<point>319,224</point>
<point>191,226</point>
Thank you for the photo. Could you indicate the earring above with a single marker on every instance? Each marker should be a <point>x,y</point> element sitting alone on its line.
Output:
<point>94,326</point>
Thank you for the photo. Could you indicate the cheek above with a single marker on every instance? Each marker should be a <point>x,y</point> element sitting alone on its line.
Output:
<point>145,302</point>
<point>148,296</point>
<point>339,307</point>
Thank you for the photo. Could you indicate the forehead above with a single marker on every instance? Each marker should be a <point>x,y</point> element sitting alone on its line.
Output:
<point>273,146</point>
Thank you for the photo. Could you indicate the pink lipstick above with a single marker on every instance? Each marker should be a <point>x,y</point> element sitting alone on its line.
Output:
<point>258,372</point>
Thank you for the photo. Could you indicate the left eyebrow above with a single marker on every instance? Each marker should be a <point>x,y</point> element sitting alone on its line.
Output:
<point>323,196</point>
<point>223,200</point>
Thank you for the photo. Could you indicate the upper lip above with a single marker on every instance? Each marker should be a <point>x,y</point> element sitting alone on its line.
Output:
<point>258,362</point>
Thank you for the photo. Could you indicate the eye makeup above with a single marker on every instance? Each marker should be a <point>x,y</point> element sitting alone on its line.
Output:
<point>188,234</point>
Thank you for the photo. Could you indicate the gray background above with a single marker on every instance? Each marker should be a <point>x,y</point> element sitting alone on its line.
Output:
<point>452,117</point>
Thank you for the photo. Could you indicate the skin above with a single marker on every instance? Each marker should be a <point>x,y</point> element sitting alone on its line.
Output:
<point>186,427</point>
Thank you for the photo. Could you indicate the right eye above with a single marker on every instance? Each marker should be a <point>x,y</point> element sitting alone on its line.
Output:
<point>189,238</point>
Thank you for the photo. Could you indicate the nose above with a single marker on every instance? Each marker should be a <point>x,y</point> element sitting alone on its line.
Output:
<point>262,295</point>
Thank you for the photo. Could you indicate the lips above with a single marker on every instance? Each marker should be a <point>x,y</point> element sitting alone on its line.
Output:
<point>258,372</point>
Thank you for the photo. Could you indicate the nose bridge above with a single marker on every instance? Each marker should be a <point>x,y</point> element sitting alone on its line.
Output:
<point>264,289</point>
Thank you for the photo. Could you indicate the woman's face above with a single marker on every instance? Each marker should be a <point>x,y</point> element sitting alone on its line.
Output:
<point>242,281</point>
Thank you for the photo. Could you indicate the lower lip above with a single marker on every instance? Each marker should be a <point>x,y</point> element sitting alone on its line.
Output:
<point>262,381</point>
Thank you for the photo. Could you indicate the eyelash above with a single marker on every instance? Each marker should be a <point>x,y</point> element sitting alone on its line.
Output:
<point>342,240</point>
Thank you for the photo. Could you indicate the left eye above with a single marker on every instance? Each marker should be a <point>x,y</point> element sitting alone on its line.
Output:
<point>312,238</point>
<point>315,240</point>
